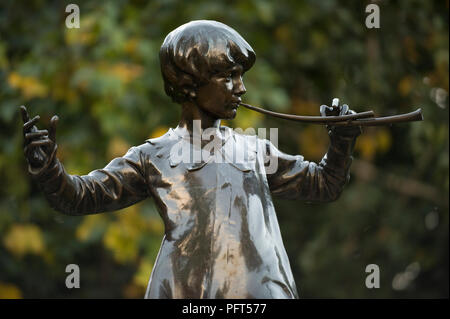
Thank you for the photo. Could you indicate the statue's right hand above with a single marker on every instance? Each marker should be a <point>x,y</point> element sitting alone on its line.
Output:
<point>38,144</point>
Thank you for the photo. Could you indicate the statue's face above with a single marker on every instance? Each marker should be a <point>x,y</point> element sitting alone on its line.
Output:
<point>221,96</point>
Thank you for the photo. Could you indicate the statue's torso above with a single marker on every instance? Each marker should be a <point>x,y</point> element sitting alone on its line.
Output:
<point>222,236</point>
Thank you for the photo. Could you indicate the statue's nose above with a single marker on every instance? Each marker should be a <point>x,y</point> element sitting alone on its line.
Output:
<point>240,88</point>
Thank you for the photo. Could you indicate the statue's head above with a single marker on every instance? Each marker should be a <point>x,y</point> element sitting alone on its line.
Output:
<point>195,52</point>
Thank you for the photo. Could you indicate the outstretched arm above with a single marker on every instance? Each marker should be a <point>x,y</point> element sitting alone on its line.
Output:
<point>296,178</point>
<point>120,184</point>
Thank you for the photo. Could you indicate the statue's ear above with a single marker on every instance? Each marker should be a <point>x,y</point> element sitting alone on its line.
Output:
<point>192,93</point>
<point>188,86</point>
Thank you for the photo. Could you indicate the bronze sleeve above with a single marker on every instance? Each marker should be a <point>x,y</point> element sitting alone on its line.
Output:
<point>120,184</point>
<point>296,178</point>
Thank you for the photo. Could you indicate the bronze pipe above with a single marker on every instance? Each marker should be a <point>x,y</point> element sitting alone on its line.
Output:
<point>357,119</point>
<point>311,119</point>
<point>387,120</point>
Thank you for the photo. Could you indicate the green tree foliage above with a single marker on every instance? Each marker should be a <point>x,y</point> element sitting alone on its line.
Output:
<point>104,82</point>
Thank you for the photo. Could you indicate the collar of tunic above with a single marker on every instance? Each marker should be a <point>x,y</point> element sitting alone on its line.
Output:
<point>225,147</point>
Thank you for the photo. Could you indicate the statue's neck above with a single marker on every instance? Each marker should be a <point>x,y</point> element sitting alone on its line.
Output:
<point>191,112</point>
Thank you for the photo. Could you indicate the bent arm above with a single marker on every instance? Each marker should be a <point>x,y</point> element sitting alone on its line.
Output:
<point>296,178</point>
<point>120,184</point>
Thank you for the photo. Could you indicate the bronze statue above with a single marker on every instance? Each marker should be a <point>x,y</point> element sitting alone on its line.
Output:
<point>222,238</point>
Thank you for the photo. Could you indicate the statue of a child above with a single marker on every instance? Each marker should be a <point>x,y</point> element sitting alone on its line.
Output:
<point>222,238</point>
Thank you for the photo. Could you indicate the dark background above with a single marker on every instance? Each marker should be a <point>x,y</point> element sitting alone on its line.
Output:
<point>104,82</point>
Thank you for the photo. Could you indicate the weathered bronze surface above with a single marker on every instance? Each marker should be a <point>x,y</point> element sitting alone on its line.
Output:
<point>222,238</point>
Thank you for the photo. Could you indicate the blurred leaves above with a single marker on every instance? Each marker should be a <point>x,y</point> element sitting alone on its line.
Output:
<point>9,291</point>
<point>22,239</point>
<point>372,142</point>
<point>29,86</point>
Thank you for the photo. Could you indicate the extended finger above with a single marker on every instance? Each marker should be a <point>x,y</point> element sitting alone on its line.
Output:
<point>53,123</point>
<point>335,102</point>
<point>36,144</point>
<point>344,109</point>
<point>44,142</point>
<point>24,112</point>
<point>33,135</point>
<point>29,124</point>
<point>322,110</point>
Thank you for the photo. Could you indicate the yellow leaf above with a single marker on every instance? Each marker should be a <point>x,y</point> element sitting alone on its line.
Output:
<point>142,276</point>
<point>131,218</point>
<point>384,140</point>
<point>29,86</point>
<point>366,145</point>
<point>117,147</point>
<point>24,238</point>
<point>9,291</point>
<point>14,79</point>
<point>302,107</point>
<point>126,72</point>
<point>133,291</point>
<point>122,241</point>
<point>155,226</point>
<point>372,142</point>
<point>159,131</point>
<point>247,119</point>
<point>87,226</point>
<point>84,35</point>
<point>313,142</point>
<point>131,45</point>
<point>405,85</point>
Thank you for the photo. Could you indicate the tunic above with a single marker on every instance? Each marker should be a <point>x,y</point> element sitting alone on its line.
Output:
<point>222,238</point>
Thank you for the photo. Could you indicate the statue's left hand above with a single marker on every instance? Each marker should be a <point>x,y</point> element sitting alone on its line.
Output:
<point>336,110</point>
<point>39,145</point>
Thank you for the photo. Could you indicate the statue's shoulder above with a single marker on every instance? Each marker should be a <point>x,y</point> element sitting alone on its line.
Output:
<point>163,139</point>
<point>158,145</point>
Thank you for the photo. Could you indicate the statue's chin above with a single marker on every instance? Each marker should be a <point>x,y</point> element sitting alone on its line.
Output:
<point>231,115</point>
